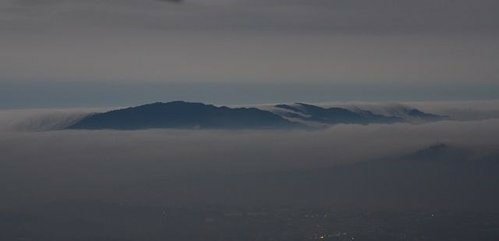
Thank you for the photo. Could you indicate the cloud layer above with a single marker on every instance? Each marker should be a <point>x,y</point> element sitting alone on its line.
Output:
<point>167,167</point>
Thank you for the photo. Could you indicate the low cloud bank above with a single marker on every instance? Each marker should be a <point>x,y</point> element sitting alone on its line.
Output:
<point>178,167</point>
<point>456,110</point>
<point>40,119</point>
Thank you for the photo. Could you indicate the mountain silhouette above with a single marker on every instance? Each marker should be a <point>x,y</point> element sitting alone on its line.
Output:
<point>438,151</point>
<point>438,176</point>
<point>188,115</point>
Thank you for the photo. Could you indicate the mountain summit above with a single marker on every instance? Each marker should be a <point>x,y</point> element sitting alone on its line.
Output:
<point>184,115</point>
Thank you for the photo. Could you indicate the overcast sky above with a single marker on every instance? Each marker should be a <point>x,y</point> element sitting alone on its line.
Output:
<point>117,52</point>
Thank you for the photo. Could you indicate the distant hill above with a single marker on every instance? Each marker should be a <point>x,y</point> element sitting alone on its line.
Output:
<point>436,177</point>
<point>188,115</point>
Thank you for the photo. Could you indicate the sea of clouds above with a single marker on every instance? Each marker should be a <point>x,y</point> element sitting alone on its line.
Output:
<point>41,163</point>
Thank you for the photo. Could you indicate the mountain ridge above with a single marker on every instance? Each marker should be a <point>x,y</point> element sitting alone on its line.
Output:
<point>196,115</point>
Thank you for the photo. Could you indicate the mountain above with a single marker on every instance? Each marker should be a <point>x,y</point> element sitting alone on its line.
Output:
<point>412,114</point>
<point>184,115</point>
<point>436,177</point>
<point>333,115</point>
<point>187,115</point>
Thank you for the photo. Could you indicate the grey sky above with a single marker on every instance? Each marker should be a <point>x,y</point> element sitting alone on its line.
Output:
<point>332,50</point>
<point>333,15</point>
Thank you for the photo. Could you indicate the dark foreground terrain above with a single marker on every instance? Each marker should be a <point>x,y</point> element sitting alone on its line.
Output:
<point>105,221</point>
<point>93,191</point>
